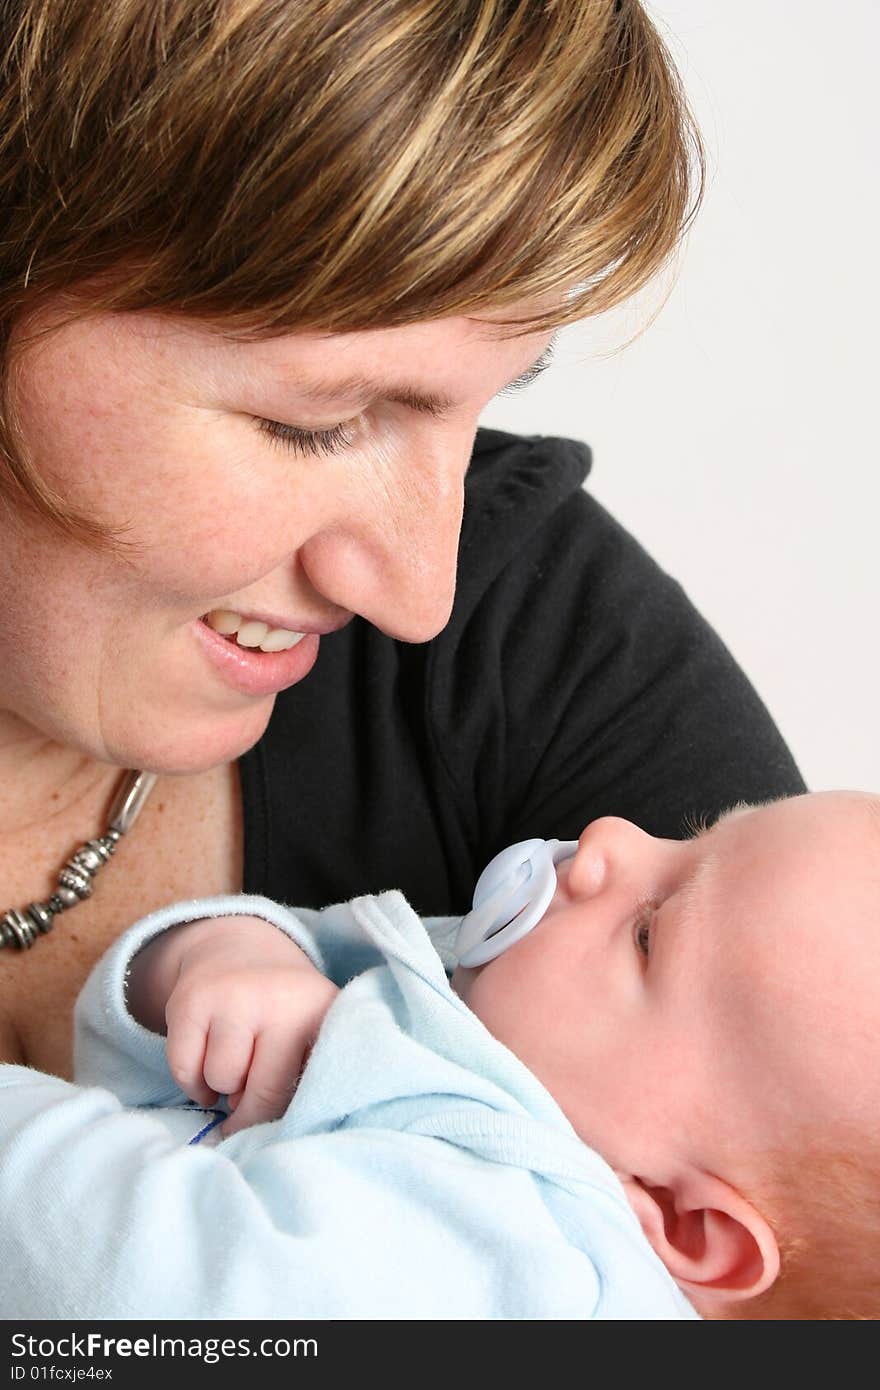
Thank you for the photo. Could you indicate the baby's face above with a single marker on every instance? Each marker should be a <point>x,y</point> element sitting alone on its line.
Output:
<point>680,996</point>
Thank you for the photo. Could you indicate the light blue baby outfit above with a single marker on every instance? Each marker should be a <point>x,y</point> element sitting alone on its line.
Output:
<point>420,1171</point>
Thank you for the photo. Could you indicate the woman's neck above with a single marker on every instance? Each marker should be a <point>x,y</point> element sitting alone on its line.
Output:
<point>42,781</point>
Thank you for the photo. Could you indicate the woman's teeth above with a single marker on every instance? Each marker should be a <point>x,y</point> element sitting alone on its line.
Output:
<point>247,632</point>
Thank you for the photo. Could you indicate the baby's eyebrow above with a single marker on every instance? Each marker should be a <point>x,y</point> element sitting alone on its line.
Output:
<point>690,892</point>
<point>704,828</point>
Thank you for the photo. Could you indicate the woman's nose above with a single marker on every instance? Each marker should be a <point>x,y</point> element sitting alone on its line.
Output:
<point>393,557</point>
<point>611,853</point>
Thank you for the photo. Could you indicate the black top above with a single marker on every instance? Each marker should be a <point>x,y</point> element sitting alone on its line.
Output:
<point>573,680</point>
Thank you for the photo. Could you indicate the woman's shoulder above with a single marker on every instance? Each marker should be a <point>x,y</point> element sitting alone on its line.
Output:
<point>510,469</point>
<point>519,490</point>
<point>499,446</point>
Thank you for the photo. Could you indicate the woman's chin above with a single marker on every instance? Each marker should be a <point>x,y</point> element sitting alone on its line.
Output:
<point>210,742</point>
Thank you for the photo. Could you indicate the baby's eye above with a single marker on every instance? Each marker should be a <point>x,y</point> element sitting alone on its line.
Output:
<point>642,928</point>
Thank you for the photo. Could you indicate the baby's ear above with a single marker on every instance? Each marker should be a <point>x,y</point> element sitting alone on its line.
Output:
<point>714,1243</point>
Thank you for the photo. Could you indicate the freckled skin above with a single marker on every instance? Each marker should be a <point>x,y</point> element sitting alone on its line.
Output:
<point>148,423</point>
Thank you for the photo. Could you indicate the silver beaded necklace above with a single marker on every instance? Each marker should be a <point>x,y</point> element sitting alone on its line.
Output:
<point>20,927</point>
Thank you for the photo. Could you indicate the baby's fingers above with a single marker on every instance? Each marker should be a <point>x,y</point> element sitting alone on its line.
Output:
<point>185,1051</point>
<point>228,1053</point>
<point>274,1072</point>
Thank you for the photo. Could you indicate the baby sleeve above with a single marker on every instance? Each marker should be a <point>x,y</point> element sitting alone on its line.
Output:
<point>112,1049</point>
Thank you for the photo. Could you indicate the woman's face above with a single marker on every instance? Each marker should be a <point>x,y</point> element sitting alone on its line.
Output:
<point>149,423</point>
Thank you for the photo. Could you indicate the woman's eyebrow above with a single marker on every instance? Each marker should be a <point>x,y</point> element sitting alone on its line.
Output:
<point>425,402</point>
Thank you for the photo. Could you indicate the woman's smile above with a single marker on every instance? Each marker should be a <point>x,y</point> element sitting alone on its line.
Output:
<point>251,670</point>
<point>248,667</point>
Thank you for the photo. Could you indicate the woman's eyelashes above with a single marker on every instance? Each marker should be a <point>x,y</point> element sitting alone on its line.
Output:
<point>332,441</point>
<point>335,440</point>
<point>533,372</point>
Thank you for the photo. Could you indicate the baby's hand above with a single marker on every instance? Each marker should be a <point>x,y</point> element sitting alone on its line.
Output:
<point>242,1016</point>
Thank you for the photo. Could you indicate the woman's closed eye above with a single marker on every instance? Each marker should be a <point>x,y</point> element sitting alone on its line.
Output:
<point>336,440</point>
<point>332,441</point>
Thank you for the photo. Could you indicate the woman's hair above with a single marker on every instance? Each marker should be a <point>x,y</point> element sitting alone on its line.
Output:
<point>269,166</point>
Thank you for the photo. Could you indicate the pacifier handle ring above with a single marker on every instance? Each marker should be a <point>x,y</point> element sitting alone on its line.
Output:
<point>502,916</point>
<point>481,919</point>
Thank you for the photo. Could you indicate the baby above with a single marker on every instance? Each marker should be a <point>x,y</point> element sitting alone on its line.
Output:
<point>705,1014</point>
<point>658,1101</point>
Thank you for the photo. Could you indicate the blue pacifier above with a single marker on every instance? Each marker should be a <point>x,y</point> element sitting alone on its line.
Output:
<point>512,894</point>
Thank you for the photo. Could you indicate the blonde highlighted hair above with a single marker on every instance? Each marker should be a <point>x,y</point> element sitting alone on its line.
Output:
<point>268,166</point>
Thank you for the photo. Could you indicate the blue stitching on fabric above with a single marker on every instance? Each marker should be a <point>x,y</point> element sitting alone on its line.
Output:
<point>219,1117</point>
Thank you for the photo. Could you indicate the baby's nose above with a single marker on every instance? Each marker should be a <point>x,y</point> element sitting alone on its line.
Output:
<point>607,848</point>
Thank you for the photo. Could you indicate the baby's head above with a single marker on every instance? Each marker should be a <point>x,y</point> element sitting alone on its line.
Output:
<point>707,1014</point>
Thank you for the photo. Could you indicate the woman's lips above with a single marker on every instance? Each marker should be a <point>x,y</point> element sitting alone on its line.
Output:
<point>251,671</point>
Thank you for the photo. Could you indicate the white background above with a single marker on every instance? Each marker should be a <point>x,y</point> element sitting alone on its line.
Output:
<point>737,439</point>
